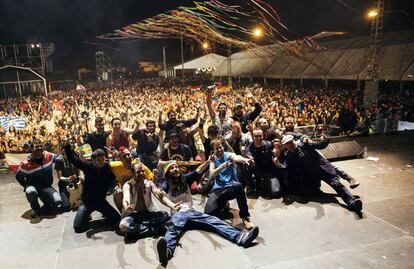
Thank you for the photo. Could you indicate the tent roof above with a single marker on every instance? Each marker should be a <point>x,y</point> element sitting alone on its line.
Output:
<point>340,58</point>
<point>209,60</point>
<point>11,74</point>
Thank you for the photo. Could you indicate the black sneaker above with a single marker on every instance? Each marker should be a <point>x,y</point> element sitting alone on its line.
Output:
<point>356,205</point>
<point>162,251</point>
<point>246,238</point>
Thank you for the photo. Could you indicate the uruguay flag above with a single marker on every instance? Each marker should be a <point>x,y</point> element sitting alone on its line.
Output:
<point>17,122</point>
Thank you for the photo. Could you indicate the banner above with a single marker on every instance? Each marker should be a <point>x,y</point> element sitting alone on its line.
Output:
<point>14,160</point>
<point>197,92</point>
<point>17,122</point>
<point>81,89</point>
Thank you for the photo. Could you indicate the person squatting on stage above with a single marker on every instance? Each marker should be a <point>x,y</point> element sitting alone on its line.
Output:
<point>35,175</point>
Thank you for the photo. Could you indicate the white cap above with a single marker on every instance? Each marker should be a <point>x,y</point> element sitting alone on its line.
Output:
<point>287,139</point>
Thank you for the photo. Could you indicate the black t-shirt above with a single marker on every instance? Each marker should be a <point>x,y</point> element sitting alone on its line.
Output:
<point>182,153</point>
<point>262,155</point>
<point>147,143</point>
<point>95,140</point>
<point>66,167</point>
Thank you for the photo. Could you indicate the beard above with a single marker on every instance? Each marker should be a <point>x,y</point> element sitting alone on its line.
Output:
<point>177,185</point>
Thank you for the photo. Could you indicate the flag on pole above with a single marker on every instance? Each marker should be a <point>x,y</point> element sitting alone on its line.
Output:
<point>81,89</point>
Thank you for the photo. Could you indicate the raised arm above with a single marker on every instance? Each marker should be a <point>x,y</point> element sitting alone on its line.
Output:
<point>211,111</point>
<point>162,197</point>
<point>239,159</point>
<point>82,165</point>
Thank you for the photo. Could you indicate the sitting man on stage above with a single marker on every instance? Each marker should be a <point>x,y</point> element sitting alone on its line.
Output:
<point>141,219</point>
<point>98,179</point>
<point>185,217</point>
<point>36,177</point>
<point>305,163</point>
<point>123,172</point>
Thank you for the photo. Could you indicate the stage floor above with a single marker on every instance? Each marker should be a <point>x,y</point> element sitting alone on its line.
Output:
<point>315,234</point>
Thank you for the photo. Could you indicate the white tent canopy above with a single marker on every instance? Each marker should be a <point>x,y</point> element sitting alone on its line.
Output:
<point>18,81</point>
<point>211,60</point>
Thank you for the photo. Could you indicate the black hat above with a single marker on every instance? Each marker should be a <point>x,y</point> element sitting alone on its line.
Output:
<point>170,134</point>
<point>84,114</point>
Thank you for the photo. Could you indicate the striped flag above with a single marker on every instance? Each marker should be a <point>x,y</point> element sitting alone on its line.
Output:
<point>17,122</point>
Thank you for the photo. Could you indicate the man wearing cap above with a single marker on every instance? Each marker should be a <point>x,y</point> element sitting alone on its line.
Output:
<point>304,161</point>
<point>290,129</point>
<point>244,118</point>
<point>185,217</point>
<point>36,177</point>
<point>123,172</point>
<point>175,150</point>
<point>98,179</point>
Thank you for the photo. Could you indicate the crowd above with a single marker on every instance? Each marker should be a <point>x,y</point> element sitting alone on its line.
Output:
<point>67,113</point>
<point>158,139</point>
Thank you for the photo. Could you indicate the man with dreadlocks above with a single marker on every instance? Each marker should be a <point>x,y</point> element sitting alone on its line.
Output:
<point>187,218</point>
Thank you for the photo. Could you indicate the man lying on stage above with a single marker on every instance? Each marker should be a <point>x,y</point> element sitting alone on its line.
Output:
<point>185,217</point>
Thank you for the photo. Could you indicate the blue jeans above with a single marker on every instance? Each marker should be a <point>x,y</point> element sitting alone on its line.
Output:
<point>85,210</point>
<point>144,224</point>
<point>219,198</point>
<point>195,220</point>
<point>48,195</point>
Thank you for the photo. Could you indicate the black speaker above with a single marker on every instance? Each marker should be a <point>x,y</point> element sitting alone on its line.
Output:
<point>342,151</point>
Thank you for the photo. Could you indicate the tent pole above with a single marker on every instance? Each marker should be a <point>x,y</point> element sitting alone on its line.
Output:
<point>18,83</point>
<point>44,84</point>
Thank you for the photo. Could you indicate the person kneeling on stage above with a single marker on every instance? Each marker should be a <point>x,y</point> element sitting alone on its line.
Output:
<point>36,177</point>
<point>227,186</point>
<point>185,217</point>
<point>140,219</point>
<point>98,179</point>
<point>304,161</point>
<point>267,177</point>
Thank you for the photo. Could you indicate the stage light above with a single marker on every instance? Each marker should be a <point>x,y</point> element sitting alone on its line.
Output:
<point>372,13</point>
<point>205,45</point>
<point>32,45</point>
<point>258,32</point>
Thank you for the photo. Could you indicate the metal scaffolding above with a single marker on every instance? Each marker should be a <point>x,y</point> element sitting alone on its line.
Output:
<point>229,74</point>
<point>103,65</point>
<point>377,25</point>
<point>31,55</point>
<point>376,35</point>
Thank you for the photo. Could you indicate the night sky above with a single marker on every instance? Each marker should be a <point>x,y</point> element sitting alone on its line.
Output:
<point>74,24</point>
